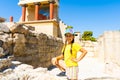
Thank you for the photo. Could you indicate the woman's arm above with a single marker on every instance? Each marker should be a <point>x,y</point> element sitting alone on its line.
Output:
<point>84,52</point>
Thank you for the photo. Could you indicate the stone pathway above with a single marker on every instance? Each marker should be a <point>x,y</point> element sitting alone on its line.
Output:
<point>92,69</point>
<point>56,71</point>
<point>89,69</point>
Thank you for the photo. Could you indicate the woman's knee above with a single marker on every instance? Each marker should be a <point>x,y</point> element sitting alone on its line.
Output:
<point>53,60</point>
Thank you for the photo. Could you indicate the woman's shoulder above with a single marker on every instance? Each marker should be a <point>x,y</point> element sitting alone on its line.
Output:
<point>77,46</point>
<point>75,43</point>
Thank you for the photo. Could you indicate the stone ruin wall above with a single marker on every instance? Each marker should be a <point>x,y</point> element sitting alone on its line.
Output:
<point>27,46</point>
<point>106,50</point>
<point>91,47</point>
<point>109,51</point>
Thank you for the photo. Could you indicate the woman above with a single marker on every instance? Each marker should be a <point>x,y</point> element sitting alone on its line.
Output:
<point>69,55</point>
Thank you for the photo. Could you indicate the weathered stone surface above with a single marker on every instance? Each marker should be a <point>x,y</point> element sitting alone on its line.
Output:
<point>91,47</point>
<point>19,28</point>
<point>30,47</point>
<point>109,49</point>
<point>7,43</point>
<point>4,28</point>
<point>1,52</point>
<point>2,19</point>
<point>27,72</point>
<point>4,63</point>
<point>34,49</point>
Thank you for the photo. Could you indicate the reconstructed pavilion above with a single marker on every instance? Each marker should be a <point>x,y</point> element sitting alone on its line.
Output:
<point>42,14</point>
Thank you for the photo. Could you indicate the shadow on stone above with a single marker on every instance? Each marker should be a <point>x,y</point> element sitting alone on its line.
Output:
<point>51,67</point>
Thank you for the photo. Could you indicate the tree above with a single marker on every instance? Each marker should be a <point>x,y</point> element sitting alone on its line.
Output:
<point>88,35</point>
<point>68,27</point>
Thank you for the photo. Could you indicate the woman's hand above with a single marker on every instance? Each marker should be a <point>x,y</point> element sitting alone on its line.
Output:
<point>74,60</point>
<point>84,52</point>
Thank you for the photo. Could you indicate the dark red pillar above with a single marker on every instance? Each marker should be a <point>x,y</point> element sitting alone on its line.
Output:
<point>51,9</point>
<point>24,12</point>
<point>37,11</point>
<point>11,18</point>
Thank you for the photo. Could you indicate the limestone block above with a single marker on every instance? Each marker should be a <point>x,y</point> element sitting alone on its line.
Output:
<point>4,63</point>
<point>19,28</point>
<point>1,52</point>
<point>4,28</point>
<point>29,47</point>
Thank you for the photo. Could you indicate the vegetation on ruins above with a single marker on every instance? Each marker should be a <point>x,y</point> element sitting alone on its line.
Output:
<point>69,27</point>
<point>88,35</point>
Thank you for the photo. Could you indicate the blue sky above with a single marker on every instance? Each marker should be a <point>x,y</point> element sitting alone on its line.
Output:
<point>93,15</point>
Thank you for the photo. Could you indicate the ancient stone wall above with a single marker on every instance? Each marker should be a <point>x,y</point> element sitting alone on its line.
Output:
<point>91,48</point>
<point>109,47</point>
<point>28,46</point>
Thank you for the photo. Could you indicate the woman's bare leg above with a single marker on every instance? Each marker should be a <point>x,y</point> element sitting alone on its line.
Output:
<point>61,65</point>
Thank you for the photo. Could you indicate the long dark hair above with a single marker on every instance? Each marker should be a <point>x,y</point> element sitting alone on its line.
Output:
<point>71,46</point>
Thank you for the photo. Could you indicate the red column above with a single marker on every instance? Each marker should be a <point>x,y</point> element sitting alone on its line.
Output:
<point>37,11</point>
<point>11,18</point>
<point>51,9</point>
<point>23,12</point>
